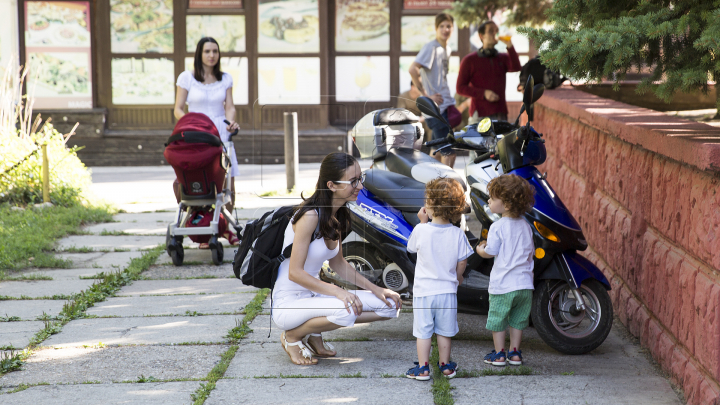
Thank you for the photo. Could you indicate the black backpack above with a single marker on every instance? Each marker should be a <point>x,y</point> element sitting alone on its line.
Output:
<point>540,74</point>
<point>260,253</point>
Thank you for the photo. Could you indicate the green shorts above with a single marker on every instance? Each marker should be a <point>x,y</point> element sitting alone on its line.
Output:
<point>512,309</point>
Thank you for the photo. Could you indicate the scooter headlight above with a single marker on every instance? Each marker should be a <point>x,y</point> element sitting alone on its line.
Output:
<point>545,232</point>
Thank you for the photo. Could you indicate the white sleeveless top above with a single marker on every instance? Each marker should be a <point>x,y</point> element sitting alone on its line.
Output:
<point>318,253</point>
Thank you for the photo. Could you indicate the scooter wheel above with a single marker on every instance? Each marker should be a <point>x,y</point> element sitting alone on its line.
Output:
<point>217,254</point>
<point>177,255</point>
<point>564,327</point>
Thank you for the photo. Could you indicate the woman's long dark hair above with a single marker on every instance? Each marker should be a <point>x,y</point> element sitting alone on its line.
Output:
<point>332,168</point>
<point>198,65</point>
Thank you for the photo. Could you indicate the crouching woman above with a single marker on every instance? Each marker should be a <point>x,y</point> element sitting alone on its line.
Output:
<point>303,305</point>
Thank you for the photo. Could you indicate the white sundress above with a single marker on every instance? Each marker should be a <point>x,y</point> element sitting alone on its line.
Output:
<point>209,99</point>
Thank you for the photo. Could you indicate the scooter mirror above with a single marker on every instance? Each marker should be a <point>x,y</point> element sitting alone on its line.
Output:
<point>538,91</point>
<point>428,107</point>
<point>528,95</point>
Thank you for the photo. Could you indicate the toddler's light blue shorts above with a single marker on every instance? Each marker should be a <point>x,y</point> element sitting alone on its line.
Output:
<point>435,314</point>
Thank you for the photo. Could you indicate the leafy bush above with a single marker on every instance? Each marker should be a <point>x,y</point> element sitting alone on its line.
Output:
<point>21,156</point>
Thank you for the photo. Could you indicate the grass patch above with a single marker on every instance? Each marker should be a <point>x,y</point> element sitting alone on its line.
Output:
<point>12,361</point>
<point>7,318</point>
<point>24,277</point>
<point>356,375</point>
<point>252,309</point>
<point>386,375</point>
<point>31,234</point>
<point>521,370</point>
<point>441,388</point>
<point>567,373</point>
<point>105,232</point>
<point>120,250</point>
<point>98,276</point>
<point>63,297</point>
<point>81,249</point>
<point>360,339</point>
<point>23,387</point>
<point>292,376</point>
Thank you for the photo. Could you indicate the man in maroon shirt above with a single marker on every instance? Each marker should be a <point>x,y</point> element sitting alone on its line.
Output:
<point>482,74</point>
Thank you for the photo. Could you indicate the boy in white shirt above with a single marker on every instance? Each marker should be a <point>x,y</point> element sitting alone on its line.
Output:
<point>510,241</point>
<point>442,251</point>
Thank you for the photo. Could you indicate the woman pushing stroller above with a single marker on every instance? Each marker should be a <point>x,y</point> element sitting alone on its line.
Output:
<point>208,90</point>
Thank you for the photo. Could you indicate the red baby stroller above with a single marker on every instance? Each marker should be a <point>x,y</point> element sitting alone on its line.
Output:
<point>202,167</point>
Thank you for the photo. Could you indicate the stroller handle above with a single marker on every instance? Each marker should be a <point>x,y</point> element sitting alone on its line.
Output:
<point>233,133</point>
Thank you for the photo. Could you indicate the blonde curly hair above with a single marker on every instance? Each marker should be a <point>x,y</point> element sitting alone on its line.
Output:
<point>446,198</point>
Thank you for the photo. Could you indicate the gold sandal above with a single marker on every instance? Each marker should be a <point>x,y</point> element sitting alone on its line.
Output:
<point>306,353</point>
<point>314,351</point>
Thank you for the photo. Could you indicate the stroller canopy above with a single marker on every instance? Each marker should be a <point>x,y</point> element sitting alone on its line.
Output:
<point>195,128</point>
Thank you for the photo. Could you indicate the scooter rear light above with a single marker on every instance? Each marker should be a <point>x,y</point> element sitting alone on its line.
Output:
<point>545,232</point>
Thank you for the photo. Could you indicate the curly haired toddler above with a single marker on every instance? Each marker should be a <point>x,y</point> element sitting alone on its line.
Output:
<point>510,242</point>
<point>442,251</point>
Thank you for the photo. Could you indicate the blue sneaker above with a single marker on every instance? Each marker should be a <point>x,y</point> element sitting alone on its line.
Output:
<point>496,359</point>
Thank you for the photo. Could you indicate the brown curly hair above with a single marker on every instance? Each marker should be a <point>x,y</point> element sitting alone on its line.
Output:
<point>515,192</point>
<point>446,198</point>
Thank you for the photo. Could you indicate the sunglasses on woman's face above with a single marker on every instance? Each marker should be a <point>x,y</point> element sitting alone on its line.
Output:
<point>353,183</point>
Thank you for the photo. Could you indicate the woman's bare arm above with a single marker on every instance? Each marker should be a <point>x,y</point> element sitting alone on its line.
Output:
<point>180,100</point>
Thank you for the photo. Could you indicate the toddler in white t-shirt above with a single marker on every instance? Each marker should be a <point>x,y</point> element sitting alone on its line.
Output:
<point>510,242</point>
<point>442,251</point>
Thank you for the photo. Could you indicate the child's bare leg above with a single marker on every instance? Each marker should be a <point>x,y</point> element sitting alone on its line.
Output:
<point>444,344</point>
<point>515,338</point>
<point>499,341</point>
<point>423,352</point>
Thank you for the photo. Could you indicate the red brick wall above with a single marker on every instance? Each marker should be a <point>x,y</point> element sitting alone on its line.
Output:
<point>649,205</point>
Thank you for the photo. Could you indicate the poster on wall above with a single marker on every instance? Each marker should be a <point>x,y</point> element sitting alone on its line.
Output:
<point>288,26</point>
<point>288,81</point>
<point>141,26</point>
<point>234,4</point>
<point>57,48</point>
<point>362,78</point>
<point>227,30</point>
<point>362,25</point>
<point>427,4</point>
<point>138,81</point>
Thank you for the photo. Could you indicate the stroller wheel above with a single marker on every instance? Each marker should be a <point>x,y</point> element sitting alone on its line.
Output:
<point>217,254</point>
<point>177,255</point>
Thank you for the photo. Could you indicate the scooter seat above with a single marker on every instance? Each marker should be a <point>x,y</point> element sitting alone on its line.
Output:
<point>401,192</point>
<point>419,166</point>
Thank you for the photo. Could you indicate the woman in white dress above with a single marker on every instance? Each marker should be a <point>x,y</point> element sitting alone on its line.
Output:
<point>208,90</point>
<point>305,306</point>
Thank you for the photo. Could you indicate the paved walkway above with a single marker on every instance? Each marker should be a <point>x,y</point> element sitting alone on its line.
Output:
<point>156,340</point>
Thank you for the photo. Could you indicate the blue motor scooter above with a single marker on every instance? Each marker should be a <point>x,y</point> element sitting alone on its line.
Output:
<point>572,311</point>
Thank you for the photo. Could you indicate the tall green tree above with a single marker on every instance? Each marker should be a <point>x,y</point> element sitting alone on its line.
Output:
<point>678,41</point>
<point>521,12</point>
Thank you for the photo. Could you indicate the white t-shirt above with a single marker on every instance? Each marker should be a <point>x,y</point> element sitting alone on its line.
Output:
<point>439,248</point>
<point>435,61</point>
<point>510,240</point>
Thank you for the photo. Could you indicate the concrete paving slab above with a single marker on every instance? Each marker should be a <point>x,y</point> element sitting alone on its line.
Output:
<point>115,364</point>
<point>551,390</point>
<point>366,391</point>
<point>197,286</point>
<point>43,288</point>
<point>171,305</point>
<point>148,218</point>
<point>64,274</point>
<point>100,260</point>
<point>140,228</point>
<point>170,393</point>
<point>110,242</point>
<point>472,327</point>
<point>144,330</point>
<point>28,310</point>
<point>168,271</point>
<point>197,256</point>
<point>370,359</point>
<point>18,334</point>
